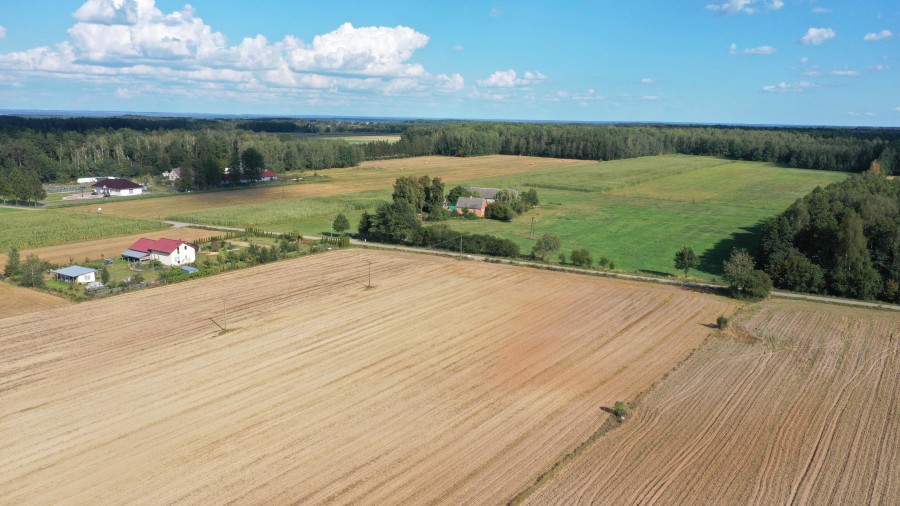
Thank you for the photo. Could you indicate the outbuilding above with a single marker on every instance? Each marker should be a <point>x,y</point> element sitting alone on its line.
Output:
<point>117,187</point>
<point>76,274</point>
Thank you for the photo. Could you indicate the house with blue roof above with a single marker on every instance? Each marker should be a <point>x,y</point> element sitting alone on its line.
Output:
<point>76,274</point>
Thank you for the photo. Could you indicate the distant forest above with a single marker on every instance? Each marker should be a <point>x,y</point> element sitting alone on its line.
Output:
<point>59,150</point>
<point>833,149</point>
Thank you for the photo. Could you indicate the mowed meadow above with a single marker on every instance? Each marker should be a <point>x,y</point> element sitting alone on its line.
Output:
<point>422,389</point>
<point>636,212</point>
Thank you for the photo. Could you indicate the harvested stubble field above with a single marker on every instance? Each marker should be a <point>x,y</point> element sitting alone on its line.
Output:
<point>15,300</point>
<point>109,248</point>
<point>810,414</point>
<point>448,382</point>
<point>373,175</point>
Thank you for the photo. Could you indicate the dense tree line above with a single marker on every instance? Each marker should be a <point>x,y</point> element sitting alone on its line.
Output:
<point>61,156</point>
<point>834,149</point>
<point>843,239</point>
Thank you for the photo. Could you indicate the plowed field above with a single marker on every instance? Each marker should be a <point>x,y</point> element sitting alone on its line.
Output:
<point>449,382</point>
<point>372,175</point>
<point>15,300</point>
<point>109,248</point>
<point>808,415</point>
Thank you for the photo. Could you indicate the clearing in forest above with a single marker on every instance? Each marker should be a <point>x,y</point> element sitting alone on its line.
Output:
<point>448,381</point>
<point>808,414</point>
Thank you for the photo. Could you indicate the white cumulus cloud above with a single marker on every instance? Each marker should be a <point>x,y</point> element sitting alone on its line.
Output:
<point>817,36</point>
<point>647,80</point>
<point>2,32</point>
<point>784,87</point>
<point>132,42</point>
<point>884,34</point>
<point>730,7</point>
<point>880,67</point>
<point>844,72</point>
<point>821,10</point>
<point>510,78</point>
<point>761,50</point>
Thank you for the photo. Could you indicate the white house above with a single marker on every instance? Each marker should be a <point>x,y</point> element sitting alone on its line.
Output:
<point>76,274</point>
<point>166,251</point>
<point>117,187</point>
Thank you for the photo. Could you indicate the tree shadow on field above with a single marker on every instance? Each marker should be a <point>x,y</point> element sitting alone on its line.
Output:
<point>711,260</point>
<point>608,410</point>
<point>660,274</point>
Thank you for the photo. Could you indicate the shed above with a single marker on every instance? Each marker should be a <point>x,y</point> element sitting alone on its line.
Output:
<point>76,274</point>
<point>189,270</point>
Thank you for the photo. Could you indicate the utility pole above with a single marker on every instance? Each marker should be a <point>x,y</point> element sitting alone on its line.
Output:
<point>225,313</point>
<point>532,227</point>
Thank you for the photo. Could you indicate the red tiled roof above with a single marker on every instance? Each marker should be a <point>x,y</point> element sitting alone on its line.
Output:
<point>162,245</point>
<point>268,173</point>
<point>116,184</point>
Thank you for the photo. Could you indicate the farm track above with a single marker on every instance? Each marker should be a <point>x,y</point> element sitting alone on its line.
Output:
<point>372,175</point>
<point>806,415</point>
<point>448,382</point>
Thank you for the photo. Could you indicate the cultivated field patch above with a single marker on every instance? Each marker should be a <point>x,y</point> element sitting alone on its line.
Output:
<point>24,229</point>
<point>808,414</point>
<point>15,300</point>
<point>448,382</point>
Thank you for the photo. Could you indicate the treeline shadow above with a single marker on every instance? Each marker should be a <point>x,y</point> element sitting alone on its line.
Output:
<point>747,237</point>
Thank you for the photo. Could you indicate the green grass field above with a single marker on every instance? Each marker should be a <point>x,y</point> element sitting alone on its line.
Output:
<point>637,212</point>
<point>653,206</point>
<point>46,227</point>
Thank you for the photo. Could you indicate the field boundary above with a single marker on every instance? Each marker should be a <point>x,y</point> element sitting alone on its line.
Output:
<point>695,285</point>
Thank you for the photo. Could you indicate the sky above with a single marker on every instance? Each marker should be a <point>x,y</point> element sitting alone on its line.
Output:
<point>790,62</point>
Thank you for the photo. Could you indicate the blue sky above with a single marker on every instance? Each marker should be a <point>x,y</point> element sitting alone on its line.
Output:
<point>804,62</point>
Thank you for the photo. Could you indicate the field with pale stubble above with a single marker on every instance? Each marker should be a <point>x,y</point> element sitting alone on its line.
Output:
<point>805,412</point>
<point>447,382</point>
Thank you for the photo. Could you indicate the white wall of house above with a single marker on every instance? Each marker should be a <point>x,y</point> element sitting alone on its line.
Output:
<point>182,256</point>
<point>87,278</point>
<point>126,193</point>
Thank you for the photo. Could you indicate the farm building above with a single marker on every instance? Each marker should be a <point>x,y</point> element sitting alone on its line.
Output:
<point>117,187</point>
<point>166,251</point>
<point>268,175</point>
<point>76,274</point>
<point>470,204</point>
<point>175,174</point>
<point>489,194</point>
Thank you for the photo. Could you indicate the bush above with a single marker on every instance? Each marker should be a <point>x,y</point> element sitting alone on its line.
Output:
<point>582,258</point>
<point>722,322</point>
<point>620,410</point>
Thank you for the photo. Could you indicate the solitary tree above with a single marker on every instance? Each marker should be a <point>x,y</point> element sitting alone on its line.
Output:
<point>686,259</point>
<point>341,224</point>
<point>547,244</point>
<point>13,264</point>
<point>104,275</point>
<point>253,164</point>
<point>743,280</point>
<point>32,272</point>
